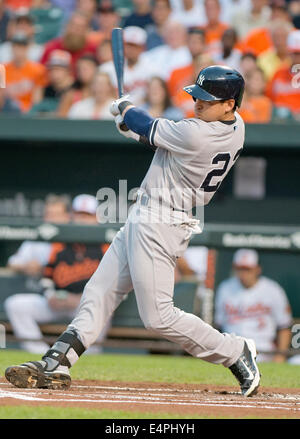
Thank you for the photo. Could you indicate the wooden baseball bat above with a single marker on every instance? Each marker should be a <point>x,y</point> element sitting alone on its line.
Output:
<point>117,46</point>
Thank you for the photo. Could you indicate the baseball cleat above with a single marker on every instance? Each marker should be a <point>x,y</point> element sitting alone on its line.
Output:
<point>32,375</point>
<point>246,371</point>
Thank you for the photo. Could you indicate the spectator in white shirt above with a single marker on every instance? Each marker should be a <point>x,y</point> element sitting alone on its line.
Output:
<point>137,69</point>
<point>228,55</point>
<point>173,54</point>
<point>97,106</point>
<point>258,16</point>
<point>254,306</point>
<point>189,13</point>
<point>23,22</point>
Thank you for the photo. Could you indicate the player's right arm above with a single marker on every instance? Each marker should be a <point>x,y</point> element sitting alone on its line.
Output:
<point>163,133</point>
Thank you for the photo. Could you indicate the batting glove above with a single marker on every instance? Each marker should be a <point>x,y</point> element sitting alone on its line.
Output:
<point>119,105</point>
<point>129,134</point>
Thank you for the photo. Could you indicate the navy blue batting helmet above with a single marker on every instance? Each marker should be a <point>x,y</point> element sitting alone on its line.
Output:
<point>218,83</point>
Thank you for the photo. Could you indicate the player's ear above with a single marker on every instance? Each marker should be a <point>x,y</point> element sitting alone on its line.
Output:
<point>230,104</point>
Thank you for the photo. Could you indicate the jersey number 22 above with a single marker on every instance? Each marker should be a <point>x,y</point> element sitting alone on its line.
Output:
<point>221,157</point>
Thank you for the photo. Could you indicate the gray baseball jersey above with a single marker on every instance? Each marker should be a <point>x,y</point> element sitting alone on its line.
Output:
<point>190,154</point>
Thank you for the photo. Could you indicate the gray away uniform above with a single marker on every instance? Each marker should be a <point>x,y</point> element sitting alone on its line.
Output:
<point>189,154</point>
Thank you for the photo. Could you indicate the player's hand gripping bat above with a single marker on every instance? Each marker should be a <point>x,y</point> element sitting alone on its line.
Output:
<point>118,58</point>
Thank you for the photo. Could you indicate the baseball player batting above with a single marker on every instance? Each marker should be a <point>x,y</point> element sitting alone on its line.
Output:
<point>194,154</point>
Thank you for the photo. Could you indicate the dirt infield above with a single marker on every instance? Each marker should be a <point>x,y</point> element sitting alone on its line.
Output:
<point>158,397</point>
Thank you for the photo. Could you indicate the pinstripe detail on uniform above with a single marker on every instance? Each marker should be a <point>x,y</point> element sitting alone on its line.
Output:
<point>152,132</point>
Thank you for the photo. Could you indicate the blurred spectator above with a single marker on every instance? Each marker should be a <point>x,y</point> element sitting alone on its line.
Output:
<point>24,78</point>
<point>74,40</point>
<point>89,9</point>
<point>86,68</point>
<point>4,21</point>
<point>7,105</point>
<point>256,107</point>
<point>104,52</point>
<point>48,20</point>
<point>17,4</point>
<point>190,13</point>
<point>280,10</point>
<point>284,88</point>
<point>97,106</point>
<point>248,63</point>
<point>182,270</point>
<point>277,56</point>
<point>247,20</point>
<point>173,54</point>
<point>254,306</point>
<point>22,23</point>
<point>67,6</point>
<point>158,102</point>
<point>294,10</point>
<point>137,69</point>
<point>186,75</point>
<point>160,13</point>
<point>141,16</point>
<point>214,29</point>
<point>32,256</point>
<point>108,18</point>
<point>259,40</point>
<point>60,81</point>
<point>228,55</point>
<point>63,286</point>
<point>229,8</point>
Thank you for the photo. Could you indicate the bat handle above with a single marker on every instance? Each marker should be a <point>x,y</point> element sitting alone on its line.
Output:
<point>123,126</point>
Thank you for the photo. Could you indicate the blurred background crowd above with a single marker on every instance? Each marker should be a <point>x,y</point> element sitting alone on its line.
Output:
<point>58,60</point>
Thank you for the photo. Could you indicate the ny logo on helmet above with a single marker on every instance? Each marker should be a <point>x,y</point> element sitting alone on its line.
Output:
<point>201,79</point>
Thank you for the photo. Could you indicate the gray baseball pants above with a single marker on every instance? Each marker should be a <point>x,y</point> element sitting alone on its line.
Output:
<point>142,257</point>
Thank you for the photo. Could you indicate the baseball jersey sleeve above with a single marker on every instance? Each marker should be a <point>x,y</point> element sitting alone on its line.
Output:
<point>281,308</point>
<point>176,137</point>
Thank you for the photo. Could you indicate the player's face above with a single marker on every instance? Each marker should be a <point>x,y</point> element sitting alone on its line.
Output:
<point>248,276</point>
<point>214,110</point>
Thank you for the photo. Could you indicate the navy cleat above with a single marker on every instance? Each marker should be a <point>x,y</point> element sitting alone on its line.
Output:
<point>246,371</point>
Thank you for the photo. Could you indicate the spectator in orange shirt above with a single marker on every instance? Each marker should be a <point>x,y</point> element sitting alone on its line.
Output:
<point>186,75</point>
<point>214,28</point>
<point>74,40</point>
<point>24,78</point>
<point>17,4</point>
<point>284,88</point>
<point>182,76</point>
<point>277,56</point>
<point>256,107</point>
<point>259,40</point>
